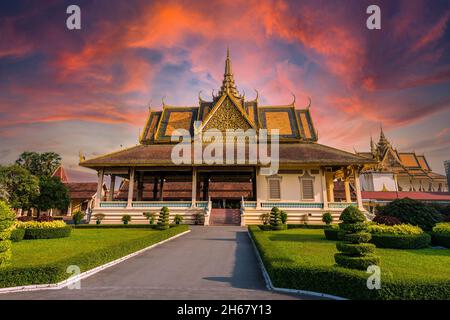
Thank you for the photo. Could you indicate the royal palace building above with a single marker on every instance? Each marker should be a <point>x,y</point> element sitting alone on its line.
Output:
<point>228,192</point>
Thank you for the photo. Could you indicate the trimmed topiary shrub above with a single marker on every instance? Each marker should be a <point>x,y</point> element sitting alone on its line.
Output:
<point>7,217</point>
<point>163,220</point>
<point>405,241</point>
<point>386,220</point>
<point>17,235</point>
<point>327,218</point>
<point>77,216</point>
<point>352,214</point>
<point>413,212</point>
<point>331,233</point>
<point>441,234</point>
<point>126,218</point>
<point>178,219</point>
<point>283,217</point>
<point>99,217</point>
<point>275,218</point>
<point>355,251</point>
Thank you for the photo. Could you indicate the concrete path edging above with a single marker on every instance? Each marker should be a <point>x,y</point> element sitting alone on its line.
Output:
<point>271,287</point>
<point>86,274</point>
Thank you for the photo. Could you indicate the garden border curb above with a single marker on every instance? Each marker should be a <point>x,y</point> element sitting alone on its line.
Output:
<point>86,274</point>
<point>271,287</point>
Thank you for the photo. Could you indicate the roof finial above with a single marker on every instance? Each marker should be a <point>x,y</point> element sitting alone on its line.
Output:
<point>163,102</point>
<point>309,104</point>
<point>257,95</point>
<point>228,85</point>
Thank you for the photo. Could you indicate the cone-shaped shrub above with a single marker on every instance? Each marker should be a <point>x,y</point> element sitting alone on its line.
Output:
<point>355,251</point>
<point>275,219</point>
<point>163,220</point>
<point>7,218</point>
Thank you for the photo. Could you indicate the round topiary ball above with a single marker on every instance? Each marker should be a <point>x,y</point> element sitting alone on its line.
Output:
<point>352,214</point>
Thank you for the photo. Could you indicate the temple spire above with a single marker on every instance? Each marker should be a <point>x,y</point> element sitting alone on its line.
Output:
<point>228,85</point>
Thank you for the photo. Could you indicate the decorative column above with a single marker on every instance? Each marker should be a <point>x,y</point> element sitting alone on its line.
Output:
<point>358,190</point>
<point>98,196</point>
<point>69,209</point>
<point>330,187</point>
<point>111,188</point>
<point>323,184</point>
<point>131,188</point>
<point>194,187</point>
<point>348,197</point>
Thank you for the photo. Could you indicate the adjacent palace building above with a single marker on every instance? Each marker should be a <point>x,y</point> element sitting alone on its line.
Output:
<point>304,185</point>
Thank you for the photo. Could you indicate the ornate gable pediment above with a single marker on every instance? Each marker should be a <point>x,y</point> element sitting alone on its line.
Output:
<point>390,160</point>
<point>227,115</point>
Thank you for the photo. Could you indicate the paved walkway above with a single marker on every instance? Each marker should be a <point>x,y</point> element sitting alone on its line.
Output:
<point>207,263</point>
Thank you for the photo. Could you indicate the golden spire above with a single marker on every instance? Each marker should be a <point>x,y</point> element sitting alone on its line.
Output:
<point>228,85</point>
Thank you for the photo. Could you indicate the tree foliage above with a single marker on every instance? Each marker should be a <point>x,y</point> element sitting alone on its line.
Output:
<point>39,164</point>
<point>20,186</point>
<point>413,212</point>
<point>54,194</point>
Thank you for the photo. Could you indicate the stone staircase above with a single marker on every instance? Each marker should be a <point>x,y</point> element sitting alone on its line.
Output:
<point>221,217</point>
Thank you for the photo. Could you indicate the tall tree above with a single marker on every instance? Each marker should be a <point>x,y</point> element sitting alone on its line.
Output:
<point>54,195</point>
<point>20,185</point>
<point>39,164</point>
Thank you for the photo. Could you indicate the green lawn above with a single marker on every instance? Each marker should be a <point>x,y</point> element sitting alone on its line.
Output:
<point>304,259</point>
<point>46,261</point>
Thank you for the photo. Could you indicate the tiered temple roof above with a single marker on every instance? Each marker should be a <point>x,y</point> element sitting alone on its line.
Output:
<point>229,110</point>
<point>401,163</point>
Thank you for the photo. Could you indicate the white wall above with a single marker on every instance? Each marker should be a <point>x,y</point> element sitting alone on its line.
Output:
<point>376,181</point>
<point>290,187</point>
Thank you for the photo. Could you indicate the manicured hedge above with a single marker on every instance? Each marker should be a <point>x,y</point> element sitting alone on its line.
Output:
<point>306,226</point>
<point>52,273</point>
<point>347,283</point>
<point>17,235</point>
<point>51,233</point>
<point>115,226</point>
<point>405,241</point>
<point>331,234</point>
<point>441,239</point>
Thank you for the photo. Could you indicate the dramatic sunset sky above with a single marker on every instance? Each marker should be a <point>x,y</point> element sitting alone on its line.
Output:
<point>90,89</point>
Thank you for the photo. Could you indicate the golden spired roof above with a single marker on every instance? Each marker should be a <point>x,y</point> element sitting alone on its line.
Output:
<point>228,85</point>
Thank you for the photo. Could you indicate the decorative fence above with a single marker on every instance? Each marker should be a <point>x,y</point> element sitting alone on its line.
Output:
<point>340,205</point>
<point>293,205</point>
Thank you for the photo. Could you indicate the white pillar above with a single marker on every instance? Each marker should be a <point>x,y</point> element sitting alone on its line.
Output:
<point>194,187</point>
<point>98,196</point>
<point>358,190</point>
<point>69,209</point>
<point>111,188</point>
<point>348,197</point>
<point>131,188</point>
<point>323,185</point>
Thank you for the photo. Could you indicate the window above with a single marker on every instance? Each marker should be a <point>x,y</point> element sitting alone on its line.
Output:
<point>274,189</point>
<point>307,189</point>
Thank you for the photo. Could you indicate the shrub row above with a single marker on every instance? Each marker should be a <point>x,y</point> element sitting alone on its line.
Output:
<point>17,235</point>
<point>55,272</point>
<point>117,226</point>
<point>441,239</point>
<point>399,229</point>
<point>346,283</point>
<point>406,241</point>
<point>53,233</point>
<point>331,233</point>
